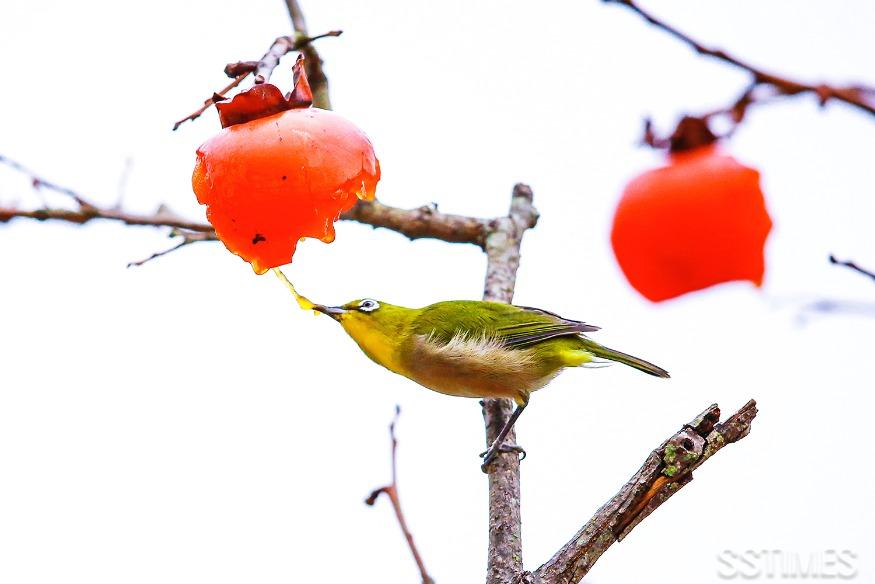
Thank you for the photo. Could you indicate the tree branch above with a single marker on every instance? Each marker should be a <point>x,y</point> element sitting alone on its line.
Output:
<point>422,222</point>
<point>391,491</point>
<point>858,96</point>
<point>664,473</point>
<point>161,218</point>
<point>502,244</point>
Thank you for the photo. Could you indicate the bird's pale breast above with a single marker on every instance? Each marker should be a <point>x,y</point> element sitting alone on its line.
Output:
<point>474,367</point>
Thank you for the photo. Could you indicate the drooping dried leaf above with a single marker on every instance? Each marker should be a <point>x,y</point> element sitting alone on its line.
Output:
<point>266,99</point>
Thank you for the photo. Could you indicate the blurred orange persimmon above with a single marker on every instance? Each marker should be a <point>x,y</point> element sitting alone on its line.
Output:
<point>699,221</point>
<point>280,171</point>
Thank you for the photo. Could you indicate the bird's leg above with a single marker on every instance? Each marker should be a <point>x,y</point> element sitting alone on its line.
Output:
<point>498,444</point>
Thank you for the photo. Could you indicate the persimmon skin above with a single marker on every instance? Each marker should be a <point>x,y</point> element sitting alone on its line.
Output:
<point>697,222</point>
<point>271,181</point>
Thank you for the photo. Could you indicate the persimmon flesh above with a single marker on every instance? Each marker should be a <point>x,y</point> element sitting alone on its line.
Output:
<point>699,221</point>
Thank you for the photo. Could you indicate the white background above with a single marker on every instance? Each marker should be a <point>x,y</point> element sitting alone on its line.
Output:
<point>185,422</point>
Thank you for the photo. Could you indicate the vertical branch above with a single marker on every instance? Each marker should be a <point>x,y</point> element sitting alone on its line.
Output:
<point>313,62</point>
<point>502,244</point>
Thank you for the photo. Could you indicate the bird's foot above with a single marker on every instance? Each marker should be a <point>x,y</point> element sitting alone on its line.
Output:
<point>496,449</point>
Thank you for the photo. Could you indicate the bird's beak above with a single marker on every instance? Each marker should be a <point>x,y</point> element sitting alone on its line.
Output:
<point>334,312</point>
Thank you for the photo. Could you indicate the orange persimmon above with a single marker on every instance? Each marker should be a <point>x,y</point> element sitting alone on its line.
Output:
<point>699,221</point>
<point>280,171</point>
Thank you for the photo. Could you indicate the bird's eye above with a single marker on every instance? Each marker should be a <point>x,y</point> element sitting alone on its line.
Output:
<point>368,305</point>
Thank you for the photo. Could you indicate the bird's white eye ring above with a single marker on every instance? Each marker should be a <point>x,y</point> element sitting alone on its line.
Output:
<point>368,305</point>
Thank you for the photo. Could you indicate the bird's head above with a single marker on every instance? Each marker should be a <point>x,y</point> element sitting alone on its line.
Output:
<point>378,327</point>
<point>367,314</point>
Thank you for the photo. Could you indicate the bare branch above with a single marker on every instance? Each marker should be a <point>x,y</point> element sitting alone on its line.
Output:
<point>161,218</point>
<point>210,101</point>
<point>422,222</point>
<point>299,23</point>
<point>664,473</point>
<point>858,96</point>
<point>39,182</point>
<point>391,491</point>
<point>502,244</point>
<point>187,239</point>
<point>851,265</point>
<point>263,68</point>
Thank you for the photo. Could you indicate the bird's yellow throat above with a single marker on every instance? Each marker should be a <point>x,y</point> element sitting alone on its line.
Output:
<point>375,342</point>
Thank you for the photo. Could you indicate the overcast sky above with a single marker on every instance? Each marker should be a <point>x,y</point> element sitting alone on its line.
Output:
<point>186,422</point>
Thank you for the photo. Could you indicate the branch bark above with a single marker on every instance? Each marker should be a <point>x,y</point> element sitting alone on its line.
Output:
<point>504,560</point>
<point>422,222</point>
<point>161,218</point>
<point>668,468</point>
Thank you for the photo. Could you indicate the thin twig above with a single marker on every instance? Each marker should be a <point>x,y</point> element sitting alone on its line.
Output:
<point>187,239</point>
<point>859,96</point>
<point>161,218</point>
<point>217,96</point>
<point>158,254</point>
<point>668,468</point>
<point>39,182</point>
<point>851,265</point>
<point>391,491</point>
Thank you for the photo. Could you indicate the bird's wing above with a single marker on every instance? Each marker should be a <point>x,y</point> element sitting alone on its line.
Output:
<point>536,325</point>
<point>512,326</point>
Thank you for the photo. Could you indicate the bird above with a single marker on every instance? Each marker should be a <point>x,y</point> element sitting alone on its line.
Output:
<point>474,348</point>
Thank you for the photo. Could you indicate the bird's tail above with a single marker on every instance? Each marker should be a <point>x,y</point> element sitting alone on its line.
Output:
<point>640,364</point>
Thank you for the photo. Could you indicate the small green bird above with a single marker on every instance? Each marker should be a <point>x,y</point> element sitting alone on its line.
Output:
<point>473,348</point>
